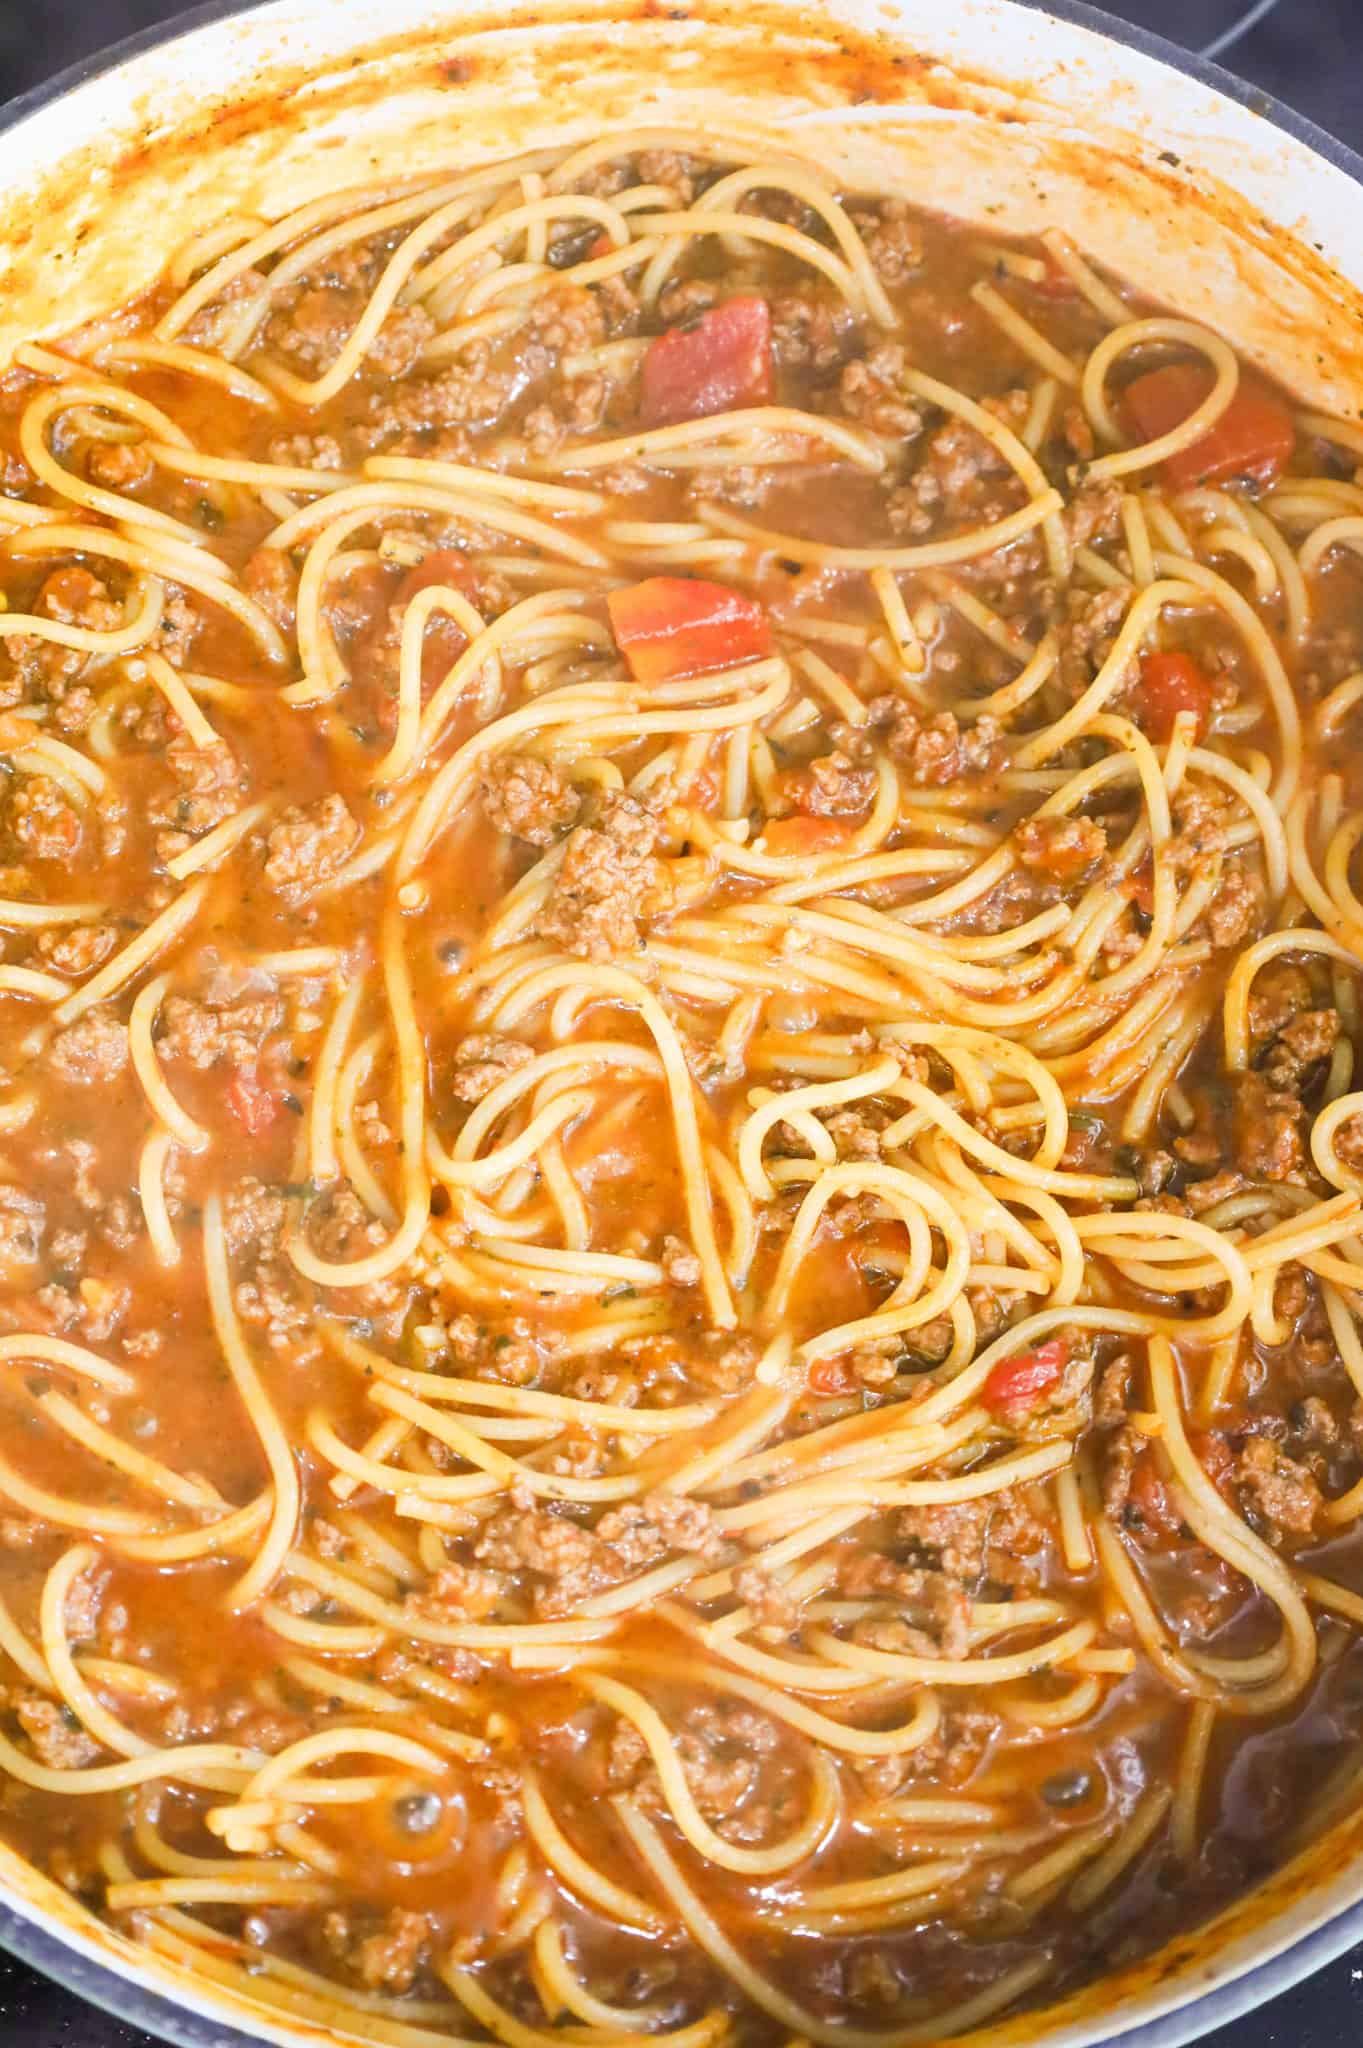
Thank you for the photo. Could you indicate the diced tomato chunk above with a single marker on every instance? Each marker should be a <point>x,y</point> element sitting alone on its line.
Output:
<point>1171,683</point>
<point>722,362</point>
<point>679,626</point>
<point>1015,1385</point>
<point>442,565</point>
<point>801,834</point>
<point>254,1107</point>
<point>1253,439</point>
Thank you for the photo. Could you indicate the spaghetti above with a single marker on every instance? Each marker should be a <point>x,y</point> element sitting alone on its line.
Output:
<point>680,1142</point>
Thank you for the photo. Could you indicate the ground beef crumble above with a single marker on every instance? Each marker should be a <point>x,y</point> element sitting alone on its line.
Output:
<point>1278,1494</point>
<point>814,330</point>
<point>76,949</point>
<point>57,1739</point>
<point>308,845</point>
<point>893,239</point>
<point>1267,1130</point>
<point>608,880</point>
<point>210,1034</point>
<point>22,1217</point>
<point>833,785</point>
<point>938,751</point>
<point>872,393</point>
<point>962,477</point>
<point>78,598</point>
<point>44,823</point>
<point>1068,849</point>
<point>271,579</point>
<point>92,1051</point>
<point>1000,1540</point>
<point>564,1563</point>
<point>207,790</point>
<point>387,1959</point>
<point>483,1060</point>
<point>528,799</point>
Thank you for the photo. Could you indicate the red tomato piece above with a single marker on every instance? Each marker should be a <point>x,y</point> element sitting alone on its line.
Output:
<point>1015,1385</point>
<point>679,626</point>
<point>1253,439</point>
<point>722,362</point>
<point>807,835</point>
<point>254,1107</point>
<point>1171,683</point>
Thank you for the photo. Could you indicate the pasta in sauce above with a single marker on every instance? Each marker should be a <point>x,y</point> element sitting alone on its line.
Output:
<point>679,1160</point>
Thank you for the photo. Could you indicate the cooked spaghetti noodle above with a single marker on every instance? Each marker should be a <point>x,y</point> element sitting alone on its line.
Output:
<point>681,1158</point>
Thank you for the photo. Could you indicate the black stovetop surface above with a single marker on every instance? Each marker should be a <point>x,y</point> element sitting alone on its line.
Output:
<point>1309,53</point>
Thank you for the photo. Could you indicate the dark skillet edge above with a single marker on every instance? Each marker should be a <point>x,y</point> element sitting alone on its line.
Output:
<point>124,1998</point>
<point>1253,98</point>
<point>152,37</point>
<point>1199,2012</point>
